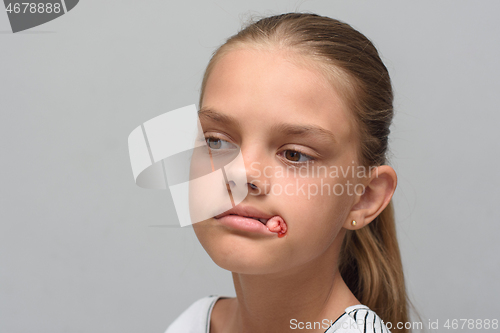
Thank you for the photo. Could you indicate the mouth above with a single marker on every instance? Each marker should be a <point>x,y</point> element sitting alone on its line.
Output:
<point>261,220</point>
<point>248,212</point>
<point>241,217</point>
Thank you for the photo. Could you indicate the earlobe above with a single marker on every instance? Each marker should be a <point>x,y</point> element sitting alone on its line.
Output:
<point>378,192</point>
<point>351,224</point>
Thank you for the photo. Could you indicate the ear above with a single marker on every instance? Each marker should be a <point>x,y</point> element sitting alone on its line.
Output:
<point>378,191</point>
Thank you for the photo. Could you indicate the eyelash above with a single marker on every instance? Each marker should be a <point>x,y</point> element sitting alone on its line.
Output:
<point>310,158</point>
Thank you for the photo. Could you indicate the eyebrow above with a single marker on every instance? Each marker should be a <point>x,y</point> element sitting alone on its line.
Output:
<point>284,128</point>
<point>217,116</point>
<point>308,130</point>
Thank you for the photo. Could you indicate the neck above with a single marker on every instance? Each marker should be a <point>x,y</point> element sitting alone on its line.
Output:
<point>309,293</point>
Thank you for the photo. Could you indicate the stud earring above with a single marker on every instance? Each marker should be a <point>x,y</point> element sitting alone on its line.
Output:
<point>353,223</point>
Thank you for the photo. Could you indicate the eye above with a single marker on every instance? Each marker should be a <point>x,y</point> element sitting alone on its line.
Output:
<point>296,156</point>
<point>218,144</point>
<point>214,143</point>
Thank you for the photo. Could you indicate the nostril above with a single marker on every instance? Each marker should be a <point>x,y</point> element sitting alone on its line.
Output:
<point>252,185</point>
<point>232,183</point>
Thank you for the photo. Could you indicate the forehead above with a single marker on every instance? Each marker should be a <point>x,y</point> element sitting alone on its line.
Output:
<point>275,86</point>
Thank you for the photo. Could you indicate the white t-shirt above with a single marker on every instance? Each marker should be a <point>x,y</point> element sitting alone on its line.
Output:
<point>356,319</point>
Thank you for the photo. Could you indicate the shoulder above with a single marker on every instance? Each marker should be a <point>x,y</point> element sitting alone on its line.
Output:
<point>196,318</point>
<point>356,319</point>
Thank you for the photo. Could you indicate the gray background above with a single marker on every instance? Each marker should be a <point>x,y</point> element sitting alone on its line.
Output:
<point>83,249</point>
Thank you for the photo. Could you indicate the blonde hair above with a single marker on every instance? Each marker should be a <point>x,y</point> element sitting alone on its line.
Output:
<point>370,261</point>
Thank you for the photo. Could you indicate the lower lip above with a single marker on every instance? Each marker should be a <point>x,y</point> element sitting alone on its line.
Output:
<point>245,224</point>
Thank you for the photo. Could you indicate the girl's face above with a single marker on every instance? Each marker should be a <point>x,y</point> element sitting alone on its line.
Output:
<point>299,148</point>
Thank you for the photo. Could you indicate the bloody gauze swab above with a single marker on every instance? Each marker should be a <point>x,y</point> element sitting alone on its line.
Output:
<point>277,224</point>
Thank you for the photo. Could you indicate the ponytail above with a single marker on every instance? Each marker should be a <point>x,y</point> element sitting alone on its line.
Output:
<point>370,265</point>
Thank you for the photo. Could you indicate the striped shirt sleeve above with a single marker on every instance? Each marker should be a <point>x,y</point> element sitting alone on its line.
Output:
<point>358,320</point>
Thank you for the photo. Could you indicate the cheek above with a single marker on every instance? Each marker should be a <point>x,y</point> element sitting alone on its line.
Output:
<point>314,213</point>
<point>208,236</point>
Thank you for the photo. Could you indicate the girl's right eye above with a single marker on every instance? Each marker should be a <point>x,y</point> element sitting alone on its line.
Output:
<point>218,144</point>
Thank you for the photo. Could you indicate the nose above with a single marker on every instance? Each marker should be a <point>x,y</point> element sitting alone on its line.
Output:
<point>257,181</point>
<point>249,172</point>
<point>254,189</point>
<point>253,186</point>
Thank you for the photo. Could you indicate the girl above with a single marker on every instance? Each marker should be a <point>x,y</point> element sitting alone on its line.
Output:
<point>308,102</point>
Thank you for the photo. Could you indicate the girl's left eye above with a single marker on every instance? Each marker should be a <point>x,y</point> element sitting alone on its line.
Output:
<point>295,156</point>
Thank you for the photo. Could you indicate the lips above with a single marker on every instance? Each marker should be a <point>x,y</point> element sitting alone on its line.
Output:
<point>245,218</point>
<point>247,211</point>
<point>263,221</point>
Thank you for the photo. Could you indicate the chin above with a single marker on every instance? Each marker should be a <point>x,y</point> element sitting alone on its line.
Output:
<point>246,265</point>
<point>239,253</point>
